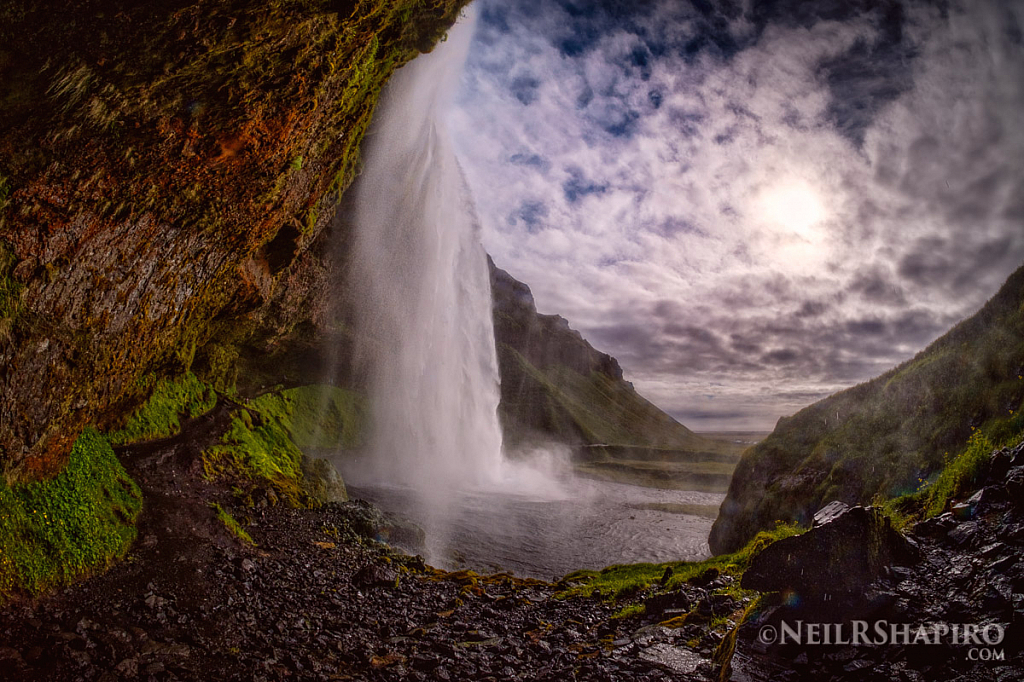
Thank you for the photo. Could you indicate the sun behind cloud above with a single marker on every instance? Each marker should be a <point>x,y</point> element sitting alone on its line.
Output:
<point>793,205</point>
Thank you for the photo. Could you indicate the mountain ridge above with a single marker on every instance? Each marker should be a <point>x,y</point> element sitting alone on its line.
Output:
<point>887,436</point>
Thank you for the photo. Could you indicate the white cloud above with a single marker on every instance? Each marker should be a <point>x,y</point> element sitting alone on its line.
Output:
<point>631,179</point>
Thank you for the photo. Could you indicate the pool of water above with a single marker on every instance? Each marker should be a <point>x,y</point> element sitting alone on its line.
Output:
<point>581,523</point>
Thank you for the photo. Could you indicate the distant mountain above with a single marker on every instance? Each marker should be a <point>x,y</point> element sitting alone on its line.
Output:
<point>885,437</point>
<point>555,387</point>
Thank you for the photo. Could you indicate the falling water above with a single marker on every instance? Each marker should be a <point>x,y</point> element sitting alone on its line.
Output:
<point>424,329</point>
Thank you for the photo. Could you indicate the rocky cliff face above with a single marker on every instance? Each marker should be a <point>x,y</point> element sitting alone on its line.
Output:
<point>167,173</point>
<point>888,436</point>
<point>556,387</point>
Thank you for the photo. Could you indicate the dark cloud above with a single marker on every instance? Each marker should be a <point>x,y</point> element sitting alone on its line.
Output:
<point>929,264</point>
<point>535,160</point>
<point>866,327</point>
<point>577,186</point>
<point>877,286</point>
<point>531,213</point>
<point>525,89</point>
<point>782,356</point>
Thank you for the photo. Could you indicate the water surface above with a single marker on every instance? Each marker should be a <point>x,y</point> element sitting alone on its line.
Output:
<point>588,524</point>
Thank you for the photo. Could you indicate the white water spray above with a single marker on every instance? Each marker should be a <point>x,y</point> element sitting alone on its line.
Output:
<point>425,331</point>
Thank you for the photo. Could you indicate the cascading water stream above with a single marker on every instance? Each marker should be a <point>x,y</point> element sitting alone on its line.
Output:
<point>425,333</point>
<point>418,275</point>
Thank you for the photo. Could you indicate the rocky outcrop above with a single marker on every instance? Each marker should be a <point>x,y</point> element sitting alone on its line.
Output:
<point>885,436</point>
<point>846,550</point>
<point>167,173</point>
<point>853,599</point>
<point>556,387</point>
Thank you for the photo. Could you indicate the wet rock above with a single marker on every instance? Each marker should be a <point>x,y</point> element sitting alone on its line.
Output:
<point>830,512</point>
<point>964,534</point>
<point>830,559</point>
<point>321,480</point>
<point>677,659</point>
<point>659,604</point>
<point>936,526</point>
<point>375,575</point>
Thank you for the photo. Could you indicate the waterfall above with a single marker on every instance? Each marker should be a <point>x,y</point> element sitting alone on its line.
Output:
<point>424,329</point>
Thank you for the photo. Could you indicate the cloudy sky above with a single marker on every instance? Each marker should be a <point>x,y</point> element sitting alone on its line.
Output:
<point>751,204</point>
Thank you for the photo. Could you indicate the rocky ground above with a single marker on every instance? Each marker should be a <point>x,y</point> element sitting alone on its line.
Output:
<point>319,597</point>
<point>316,598</point>
<point>949,595</point>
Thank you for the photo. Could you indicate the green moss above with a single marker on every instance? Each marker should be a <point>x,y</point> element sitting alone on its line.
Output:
<point>266,439</point>
<point>258,449</point>
<point>325,417</point>
<point>629,611</point>
<point>961,475</point>
<point>231,524</point>
<point>626,580</point>
<point>54,531</point>
<point>170,401</point>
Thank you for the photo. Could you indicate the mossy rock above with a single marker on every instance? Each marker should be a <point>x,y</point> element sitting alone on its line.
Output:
<point>321,480</point>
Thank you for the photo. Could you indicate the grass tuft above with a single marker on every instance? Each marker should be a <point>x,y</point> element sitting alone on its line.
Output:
<point>231,524</point>
<point>618,582</point>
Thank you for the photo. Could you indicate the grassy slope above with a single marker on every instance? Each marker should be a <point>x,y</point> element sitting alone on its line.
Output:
<point>892,433</point>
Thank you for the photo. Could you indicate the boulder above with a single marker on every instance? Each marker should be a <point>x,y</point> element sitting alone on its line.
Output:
<point>840,556</point>
<point>321,480</point>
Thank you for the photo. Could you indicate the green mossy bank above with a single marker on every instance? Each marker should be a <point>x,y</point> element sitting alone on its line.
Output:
<point>54,531</point>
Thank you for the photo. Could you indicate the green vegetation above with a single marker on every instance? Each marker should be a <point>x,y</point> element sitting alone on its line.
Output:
<point>170,401</point>
<point>593,407</point>
<point>961,476</point>
<point>52,532</point>
<point>708,476</point>
<point>324,417</point>
<point>629,611</point>
<point>619,582</point>
<point>233,526</point>
<point>881,439</point>
<point>266,438</point>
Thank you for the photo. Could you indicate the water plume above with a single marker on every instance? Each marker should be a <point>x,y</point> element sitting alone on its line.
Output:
<point>424,329</point>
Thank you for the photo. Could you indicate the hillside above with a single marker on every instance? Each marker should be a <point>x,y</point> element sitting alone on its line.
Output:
<point>555,387</point>
<point>890,435</point>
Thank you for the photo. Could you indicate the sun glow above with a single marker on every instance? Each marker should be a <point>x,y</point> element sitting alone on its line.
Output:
<point>793,205</point>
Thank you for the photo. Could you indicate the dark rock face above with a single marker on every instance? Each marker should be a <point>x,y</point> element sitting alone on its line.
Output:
<point>911,601</point>
<point>882,436</point>
<point>556,387</point>
<point>836,559</point>
<point>162,205</point>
